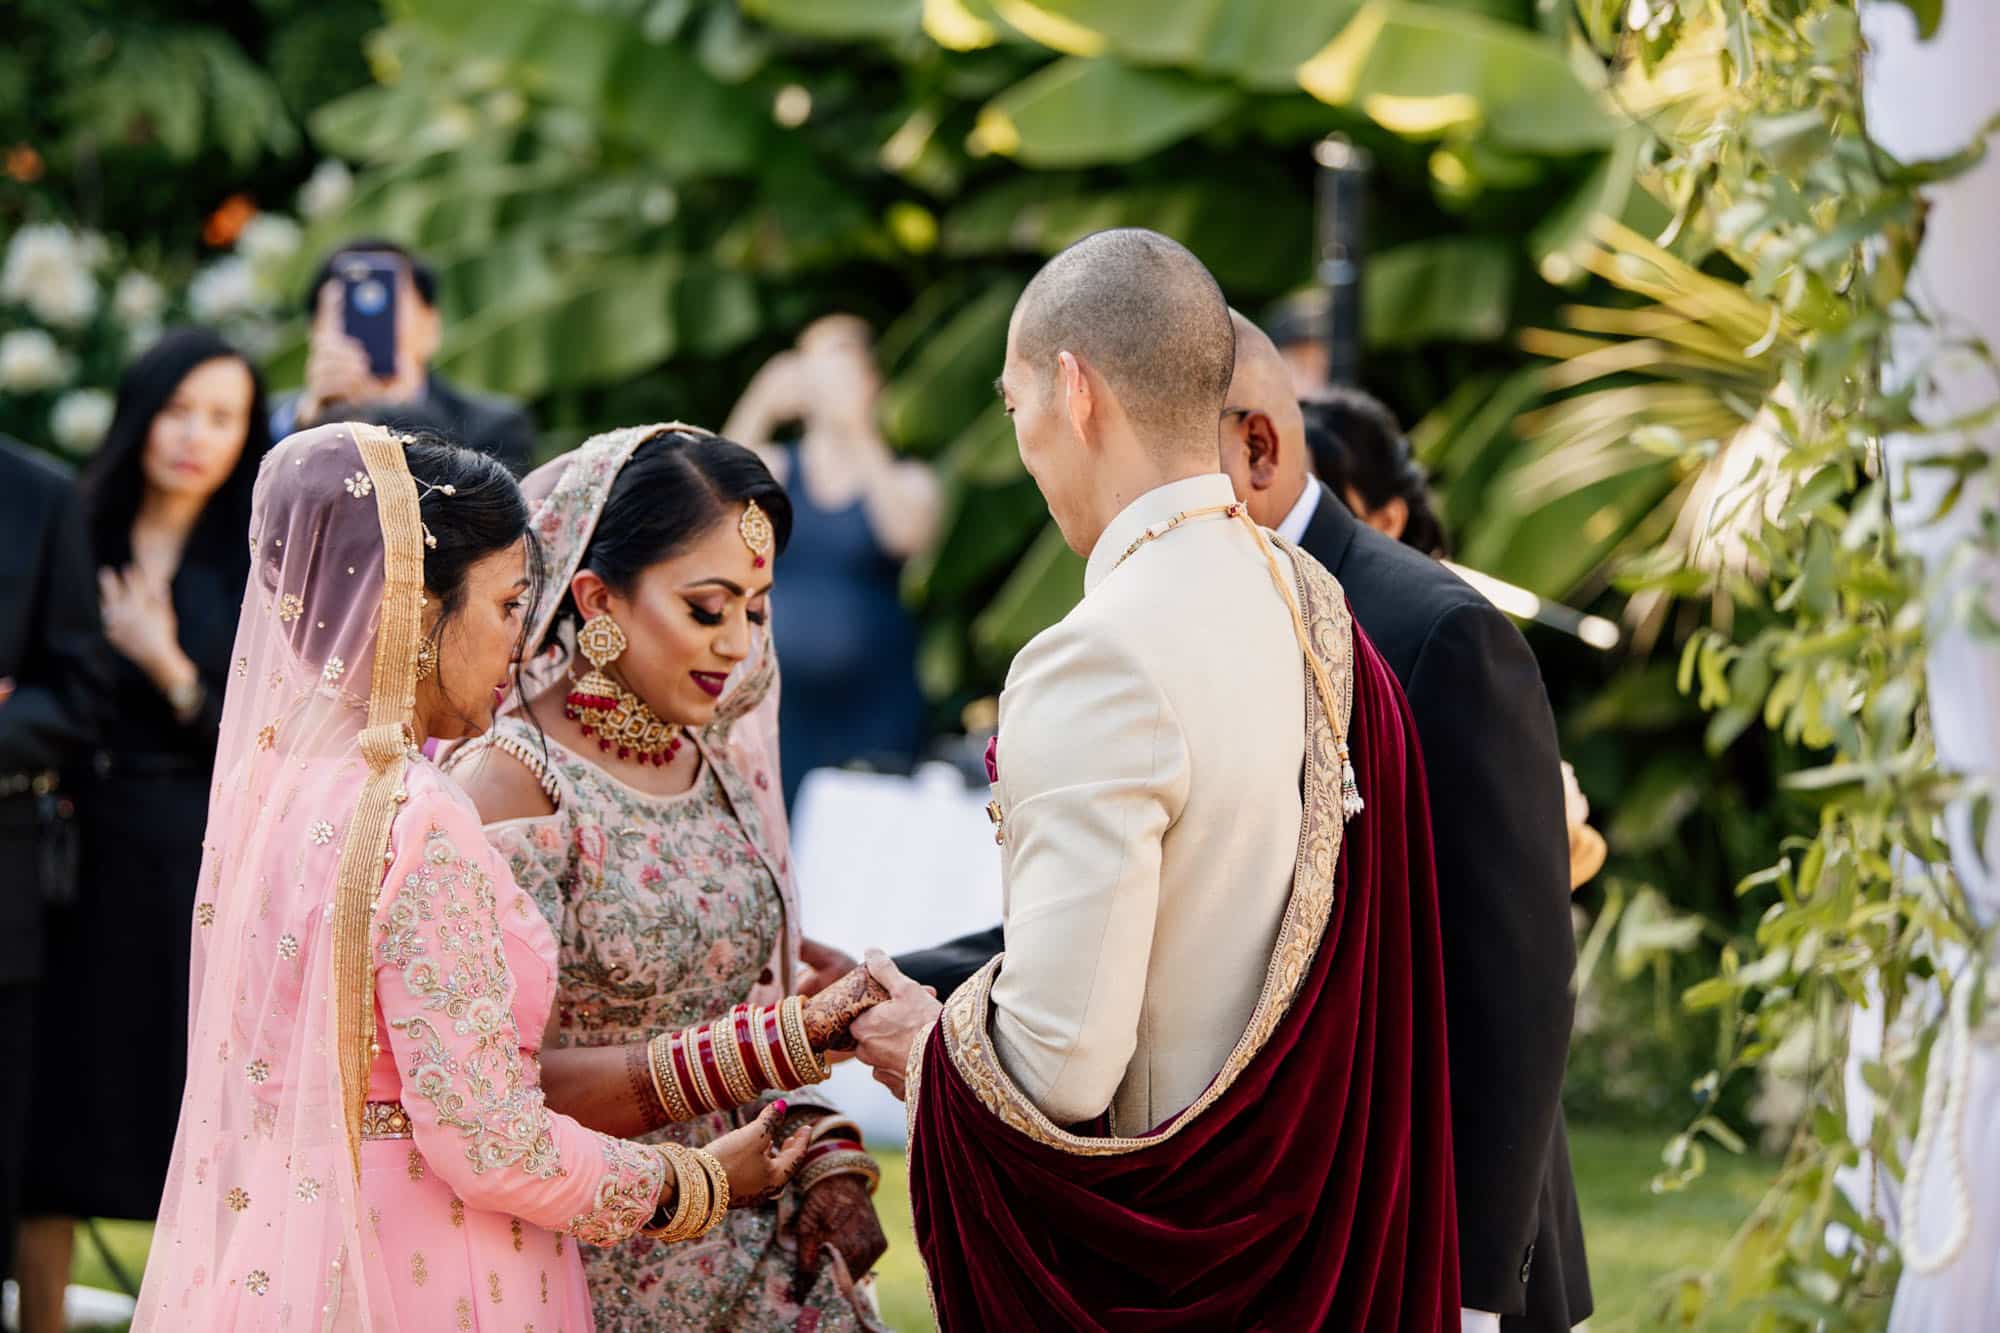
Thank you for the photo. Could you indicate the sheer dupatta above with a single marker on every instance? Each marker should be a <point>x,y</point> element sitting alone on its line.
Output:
<point>261,1222</point>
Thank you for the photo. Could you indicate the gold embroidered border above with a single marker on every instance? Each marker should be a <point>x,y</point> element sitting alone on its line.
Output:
<point>385,743</point>
<point>964,1022</point>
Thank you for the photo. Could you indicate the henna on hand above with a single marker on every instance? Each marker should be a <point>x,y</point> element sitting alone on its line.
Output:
<point>639,1073</point>
<point>829,1013</point>
<point>838,1212</point>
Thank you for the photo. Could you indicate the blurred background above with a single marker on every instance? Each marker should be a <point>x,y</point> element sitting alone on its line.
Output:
<point>632,205</point>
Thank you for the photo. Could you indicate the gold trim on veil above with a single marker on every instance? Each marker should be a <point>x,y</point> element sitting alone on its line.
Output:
<point>385,743</point>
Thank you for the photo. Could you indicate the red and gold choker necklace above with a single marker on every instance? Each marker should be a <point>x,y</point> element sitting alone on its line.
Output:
<point>620,721</point>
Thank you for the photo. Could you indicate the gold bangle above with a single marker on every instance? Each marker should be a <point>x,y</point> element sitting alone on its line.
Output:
<point>792,1022</point>
<point>765,1061</point>
<point>718,1189</point>
<point>687,1179</point>
<point>841,1164</point>
<point>729,1059</point>
<point>666,1086</point>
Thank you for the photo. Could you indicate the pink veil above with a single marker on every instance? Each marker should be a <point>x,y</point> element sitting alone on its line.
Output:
<point>568,494</point>
<point>261,1222</point>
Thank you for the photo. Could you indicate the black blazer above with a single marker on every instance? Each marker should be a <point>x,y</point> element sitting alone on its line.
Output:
<point>1502,847</point>
<point>50,649</point>
<point>490,425</point>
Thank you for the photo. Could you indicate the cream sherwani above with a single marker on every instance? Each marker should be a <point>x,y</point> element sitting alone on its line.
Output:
<point>1149,758</point>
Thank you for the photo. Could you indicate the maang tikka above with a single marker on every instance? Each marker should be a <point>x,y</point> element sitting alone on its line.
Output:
<point>757,533</point>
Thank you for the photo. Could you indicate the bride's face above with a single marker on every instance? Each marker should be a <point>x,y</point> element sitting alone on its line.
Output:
<point>689,621</point>
<point>476,652</point>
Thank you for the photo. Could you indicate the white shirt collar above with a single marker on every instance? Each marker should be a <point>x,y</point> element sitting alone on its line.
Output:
<point>1155,506</point>
<point>1293,526</point>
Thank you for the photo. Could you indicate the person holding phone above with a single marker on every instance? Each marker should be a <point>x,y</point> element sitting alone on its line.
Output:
<point>376,328</point>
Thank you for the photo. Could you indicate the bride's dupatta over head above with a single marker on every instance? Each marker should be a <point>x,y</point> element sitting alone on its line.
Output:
<point>1310,1185</point>
<point>261,1223</point>
<point>568,495</point>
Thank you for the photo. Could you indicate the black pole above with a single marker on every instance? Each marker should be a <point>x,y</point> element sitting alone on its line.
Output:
<point>1343,190</point>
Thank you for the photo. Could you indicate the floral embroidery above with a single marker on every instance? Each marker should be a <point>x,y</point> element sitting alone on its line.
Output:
<point>290,607</point>
<point>458,1212</point>
<point>330,673</point>
<point>633,1177</point>
<point>258,1281</point>
<point>493,1285</point>
<point>288,947</point>
<point>238,1199</point>
<point>242,667</point>
<point>420,1271</point>
<point>204,914</point>
<point>321,833</point>
<point>464,1315</point>
<point>275,680</point>
<point>474,1081</point>
<point>257,1071</point>
<point>416,1165</point>
<point>359,486</point>
<point>545,1286</point>
<point>307,1190</point>
<point>515,1227</point>
<point>267,736</point>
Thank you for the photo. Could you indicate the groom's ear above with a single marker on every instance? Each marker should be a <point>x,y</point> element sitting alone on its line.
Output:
<point>1079,401</point>
<point>1260,436</point>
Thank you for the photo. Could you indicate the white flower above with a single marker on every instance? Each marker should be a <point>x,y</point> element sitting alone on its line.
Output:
<point>327,190</point>
<point>48,271</point>
<point>30,360</point>
<point>138,300</point>
<point>269,239</point>
<point>80,419</point>
<point>225,288</point>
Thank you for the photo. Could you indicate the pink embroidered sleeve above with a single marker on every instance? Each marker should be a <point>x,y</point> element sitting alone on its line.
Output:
<point>473,1096</point>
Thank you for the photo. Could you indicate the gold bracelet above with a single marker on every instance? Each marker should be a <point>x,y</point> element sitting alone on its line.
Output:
<point>687,1181</point>
<point>667,1087</point>
<point>718,1189</point>
<point>729,1059</point>
<point>855,1163</point>
<point>765,1060</point>
<point>792,1022</point>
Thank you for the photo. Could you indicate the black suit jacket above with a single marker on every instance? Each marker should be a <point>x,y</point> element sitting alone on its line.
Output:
<point>1502,847</point>
<point>50,649</point>
<point>490,425</point>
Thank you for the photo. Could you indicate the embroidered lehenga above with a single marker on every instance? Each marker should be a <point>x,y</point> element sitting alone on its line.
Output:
<point>363,1142</point>
<point>668,910</point>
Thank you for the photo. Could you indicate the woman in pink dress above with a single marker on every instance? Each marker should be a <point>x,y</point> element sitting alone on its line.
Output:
<point>363,1143</point>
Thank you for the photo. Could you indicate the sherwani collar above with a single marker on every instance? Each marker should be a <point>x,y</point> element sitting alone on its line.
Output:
<point>1155,506</point>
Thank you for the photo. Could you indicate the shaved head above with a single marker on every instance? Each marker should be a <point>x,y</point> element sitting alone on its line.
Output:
<point>1144,313</point>
<point>1264,436</point>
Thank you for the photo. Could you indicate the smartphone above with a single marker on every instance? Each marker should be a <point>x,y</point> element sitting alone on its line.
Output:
<point>368,280</point>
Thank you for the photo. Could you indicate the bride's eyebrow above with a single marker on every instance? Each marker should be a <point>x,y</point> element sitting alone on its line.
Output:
<point>732,588</point>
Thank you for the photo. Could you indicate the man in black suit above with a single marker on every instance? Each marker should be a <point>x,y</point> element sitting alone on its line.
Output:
<point>338,374</point>
<point>52,674</point>
<point>1502,846</point>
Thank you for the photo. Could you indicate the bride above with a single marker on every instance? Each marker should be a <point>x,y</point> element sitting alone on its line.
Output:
<point>363,1143</point>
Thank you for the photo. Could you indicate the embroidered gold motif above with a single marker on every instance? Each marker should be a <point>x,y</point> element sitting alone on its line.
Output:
<point>472,1082</point>
<point>514,1225</point>
<point>330,673</point>
<point>237,1199</point>
<point>258,1281</point>
<point>458,1212</point>
<point>545,1286</point>
<point>964,1024</point>
<point>633,1177</point>
<point>416,1165</point>
<point>204,914</point>
<point>242,667</point>
<point>257,1071</point>
<point>464,1315</point>
<point>288,947</point>
<point>307,1190</point>
<point>290,608</point>
<point>359,485</point>
<point>420,1270</point>
<point>493,1286</point>
<point>267,736</point>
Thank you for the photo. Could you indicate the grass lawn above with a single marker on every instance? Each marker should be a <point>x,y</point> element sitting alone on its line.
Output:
<point>1635,1238</point>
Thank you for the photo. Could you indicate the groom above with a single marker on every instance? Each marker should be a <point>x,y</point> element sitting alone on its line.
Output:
<point>1206,1084</point>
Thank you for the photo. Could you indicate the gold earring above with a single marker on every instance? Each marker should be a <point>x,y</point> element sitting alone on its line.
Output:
<point>601,639</point>
<point>427,660</point>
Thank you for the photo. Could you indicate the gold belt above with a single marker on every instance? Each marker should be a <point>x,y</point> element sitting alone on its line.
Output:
<point>385,1120</point>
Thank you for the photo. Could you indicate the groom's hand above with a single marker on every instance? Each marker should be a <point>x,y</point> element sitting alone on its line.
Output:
<point>885,1033</point>
<point>824,966</point>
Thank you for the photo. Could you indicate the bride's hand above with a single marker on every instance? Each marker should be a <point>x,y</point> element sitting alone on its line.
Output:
<point>757,1165</point>
<point>829,1013</point>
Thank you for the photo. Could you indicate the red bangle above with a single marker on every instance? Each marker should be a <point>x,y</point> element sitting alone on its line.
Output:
<point>684,1071</point>
<point>775,1041</point>
<point>741,1027</point>
<point>711,1068</point>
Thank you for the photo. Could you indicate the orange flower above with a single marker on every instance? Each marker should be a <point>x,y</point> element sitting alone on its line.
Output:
<point>226,222</point>
<point>24,164</point>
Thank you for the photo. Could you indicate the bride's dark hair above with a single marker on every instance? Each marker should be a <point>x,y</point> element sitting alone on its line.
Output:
<point>675,487</point>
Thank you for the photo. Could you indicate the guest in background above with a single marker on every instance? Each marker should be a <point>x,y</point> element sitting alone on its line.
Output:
<point>338,374</point>
<point>166,508</point>
<point>1297,328</point>
<point>1362,455</point>
<point>848,644</point>
<point>51,682</point>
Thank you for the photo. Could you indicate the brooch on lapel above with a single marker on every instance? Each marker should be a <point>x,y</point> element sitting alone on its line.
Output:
<point>993,776</point>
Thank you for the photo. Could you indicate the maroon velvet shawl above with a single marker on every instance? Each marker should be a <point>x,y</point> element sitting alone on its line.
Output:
<point>1314,1192</point>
